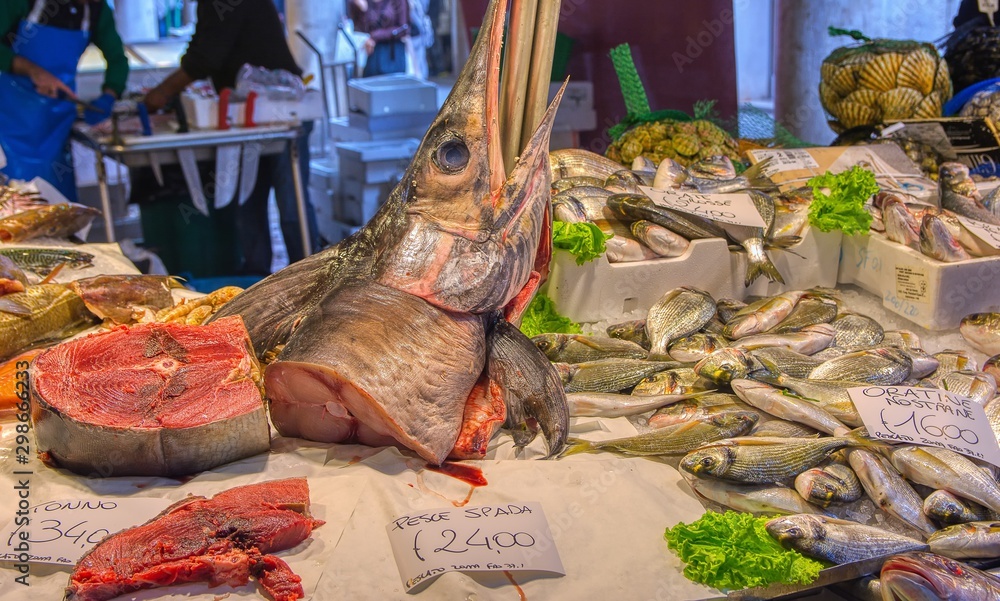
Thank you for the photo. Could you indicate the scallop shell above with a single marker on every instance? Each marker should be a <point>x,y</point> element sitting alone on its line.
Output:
<point>929,107</point>
<point>845,79</point>
<point>826,70</point>
<point>898,103</point>
<point>864,96</point>
<point>852,114</point>
<point>827,97</point>
<point>880,72</point>
<point>917,71</point>
<point>942,80</point>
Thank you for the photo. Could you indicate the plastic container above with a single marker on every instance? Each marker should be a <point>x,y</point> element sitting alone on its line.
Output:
<point>203,113</point>
<point>601,291</point>
<point>929,293</point>
<point>814,261</point>
<point>391,94</point>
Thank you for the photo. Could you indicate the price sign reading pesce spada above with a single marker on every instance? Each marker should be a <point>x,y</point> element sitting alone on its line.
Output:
<point>734,209</point>
<point>61,532</point>
<point>488,538</point>
<point>927,416</point>
<point>987,232</point>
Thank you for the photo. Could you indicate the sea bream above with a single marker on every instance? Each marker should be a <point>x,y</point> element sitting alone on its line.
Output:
<point>385,334</point>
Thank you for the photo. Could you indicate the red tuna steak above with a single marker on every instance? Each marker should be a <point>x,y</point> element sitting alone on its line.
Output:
<point>222,540</point>
<point>150,400</point>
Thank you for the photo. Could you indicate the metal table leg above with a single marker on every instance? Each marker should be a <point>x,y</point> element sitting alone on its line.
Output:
<point>102,185</point>
<point>300,197</point>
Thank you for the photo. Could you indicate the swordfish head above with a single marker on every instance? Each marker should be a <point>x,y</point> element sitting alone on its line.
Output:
<point>471,233</point>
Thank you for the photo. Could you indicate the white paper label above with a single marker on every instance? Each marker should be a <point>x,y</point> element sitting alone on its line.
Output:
<point>62,531</point>
<point>488,538</point>
<point>784,160</point>
<point>734,209</point>
<point>987,232</point>
<point>927,416</point>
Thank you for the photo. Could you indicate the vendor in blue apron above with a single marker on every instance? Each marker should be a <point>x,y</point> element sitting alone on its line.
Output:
<point>41,45</point>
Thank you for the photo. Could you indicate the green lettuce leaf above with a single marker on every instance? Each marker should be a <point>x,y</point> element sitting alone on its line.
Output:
<point>583,240</point>
<point>732,550</point>
<point>541,318</point>
<point>844,208</point>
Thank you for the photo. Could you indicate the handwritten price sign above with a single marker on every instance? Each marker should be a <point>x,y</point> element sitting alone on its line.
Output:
<point>734,209</point>
<point>988,232</point>
<point>62,531</point>
<point>927,416</point>
<point>512,537</point>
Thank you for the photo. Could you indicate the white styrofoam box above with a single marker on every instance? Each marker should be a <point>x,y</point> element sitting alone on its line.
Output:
<point>322,193</point>
<point>579,95</point>
<point>601,291</point>
<point>395,93</point>
<point>393,122</point>
<point>358,201</point>
<point>376,162</point>
<point>928,292</point>
<point>203,113</point>
<point>812,262</point>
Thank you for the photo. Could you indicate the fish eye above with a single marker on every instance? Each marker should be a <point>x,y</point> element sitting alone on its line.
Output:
<point>707,462</point>
<point>794,531</point>
<point>452,156</point>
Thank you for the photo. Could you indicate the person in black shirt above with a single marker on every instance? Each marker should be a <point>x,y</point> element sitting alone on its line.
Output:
<point>228,35</point>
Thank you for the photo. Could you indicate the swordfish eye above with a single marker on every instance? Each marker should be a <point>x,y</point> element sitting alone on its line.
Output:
<point>452,156</point>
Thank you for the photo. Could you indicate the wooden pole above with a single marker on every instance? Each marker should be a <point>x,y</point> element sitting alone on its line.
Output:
<point>513,87</point>
<point>543,48</point>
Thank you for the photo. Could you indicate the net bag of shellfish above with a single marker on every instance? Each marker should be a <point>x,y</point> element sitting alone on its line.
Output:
<point>880,81</point>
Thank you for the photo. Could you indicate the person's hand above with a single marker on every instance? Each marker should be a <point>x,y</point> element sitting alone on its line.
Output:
<point>156,99</point>
<point>105,102</point>
<point>369,46</point>
<point>48,84</point>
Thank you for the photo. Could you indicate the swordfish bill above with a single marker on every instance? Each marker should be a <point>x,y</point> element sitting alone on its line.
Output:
<point>381,338</point>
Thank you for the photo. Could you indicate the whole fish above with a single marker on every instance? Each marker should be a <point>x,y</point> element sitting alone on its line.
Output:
<point>786,361</point>
<point>674,441</point>
<point>115,297</point>
<point>921,364</point>
<point>982,331</point>
<point>784,406</point>
<point>950,509</point>
<point>752,240</point>
<point>611,375</point>
<point>725,365</point>
<point>566,183</point>
<point>682,380</point>
<point>779,428</point>
<point>942,469</point>
<point>12,279</point>
<point>576,162</point>
<point>577,348</point>
<point>590,203</point>
<point>669,175</point>
<point>43,260</point>
<point>714,327</point>
<point>900,224</point>
<point>762,315</point>
<point>644,164</point>
<point>751,498</point>
<point>53,310</point>
<point>761,460</point>
<point>634,207</point>
<point>607,404</point>
<point>660,240</point>
<point>938,242</point>
<point>680,312</point>
<point>904,339</point>
<point>888,490</point>
<point>950,361</point>
<point>52,221</point>
<point>837,541</point>
<point>834,483</point>
<point>694,348</point>
<point>928,577</point>
<point>568,210</point>
<point>624,181</point>
<point>885,366</point>
<point>992,201</point>
<point>625,250</point>
<point>972,540</point>
<point>728,308</point>
<point>854,330</point>
<point>698,408</point>
<point>807,340</point>
<point>992,367</point>
<point>993,415</point>
<point>831,395</point>
<point>976,385</point>
<point>959,194</point>
<point>807,312</point>
<point>973,244</point>
<point>633,331</point>
<point>452,248</point>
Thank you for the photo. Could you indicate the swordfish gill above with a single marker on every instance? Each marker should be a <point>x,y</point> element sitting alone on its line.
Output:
<point>382,338</point>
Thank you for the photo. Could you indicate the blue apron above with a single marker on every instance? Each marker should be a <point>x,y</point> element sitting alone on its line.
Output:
<point>34,128</point>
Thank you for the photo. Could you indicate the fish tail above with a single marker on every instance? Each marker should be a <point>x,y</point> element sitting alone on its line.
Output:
<point>575,445</point>
<point>758,264</point>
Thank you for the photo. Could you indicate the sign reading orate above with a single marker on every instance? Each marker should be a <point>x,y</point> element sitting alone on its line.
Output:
<point>735,209</point>
<point>927,416</point>
<point>489,538</point>
<point>987,232</point>
<point>62,531</point>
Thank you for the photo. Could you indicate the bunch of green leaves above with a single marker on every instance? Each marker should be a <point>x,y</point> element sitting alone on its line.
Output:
<point>541,317</point>
<point>584,240</point>
<point>844,207</point>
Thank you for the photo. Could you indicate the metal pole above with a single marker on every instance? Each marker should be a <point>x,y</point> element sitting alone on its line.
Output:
<point>543,47</point>
<point>516,63</point>
<point>102,186</point>
<point>300,200</point>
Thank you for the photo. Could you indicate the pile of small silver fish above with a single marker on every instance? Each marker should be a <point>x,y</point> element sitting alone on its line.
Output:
<point>752,400</point>
<point>938,232</point>
<point>589,187</point>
